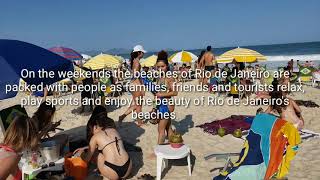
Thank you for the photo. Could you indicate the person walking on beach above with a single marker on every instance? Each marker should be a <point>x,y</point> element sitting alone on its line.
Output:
<point>208,62</point>
<point>200,66</point>
<point>164,124</point>
<point>136,82</point>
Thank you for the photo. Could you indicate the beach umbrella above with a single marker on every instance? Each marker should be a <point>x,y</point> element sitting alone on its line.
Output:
<point>183,57</point>
<point>242,55</point>
<point>121,59</point>
<point>16,56</point>
<point>67,53</point>
<point>102,61</point>
<point>224,61</point>
<point>149,61</point>
<point>85,56</point>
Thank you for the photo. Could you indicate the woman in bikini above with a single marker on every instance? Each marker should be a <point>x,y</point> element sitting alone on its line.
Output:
<point>290,112</point>
<point>20,135</point>
<point>136,82</point>
<point>164,125</point>
<point>113,160</point>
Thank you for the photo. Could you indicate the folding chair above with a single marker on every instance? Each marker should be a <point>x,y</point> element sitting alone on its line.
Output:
<point>7,115</point>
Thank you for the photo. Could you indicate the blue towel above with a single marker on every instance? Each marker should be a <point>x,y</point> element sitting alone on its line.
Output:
<point>262,125</point>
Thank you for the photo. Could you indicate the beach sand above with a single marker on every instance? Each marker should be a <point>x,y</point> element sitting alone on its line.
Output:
<point>304,166</point>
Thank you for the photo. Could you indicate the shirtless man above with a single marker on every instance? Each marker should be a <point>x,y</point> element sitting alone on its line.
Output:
<point>208,62</point>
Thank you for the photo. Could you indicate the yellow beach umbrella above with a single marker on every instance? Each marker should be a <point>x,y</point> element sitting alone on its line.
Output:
<point>121,59</point>
<point>149,61</point>
<point>102,61</point>
<point>224,61</point>
<point>242,55</point>
<point>183,57</point>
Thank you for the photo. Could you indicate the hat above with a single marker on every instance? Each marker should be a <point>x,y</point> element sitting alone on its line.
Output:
<point>138,48</point>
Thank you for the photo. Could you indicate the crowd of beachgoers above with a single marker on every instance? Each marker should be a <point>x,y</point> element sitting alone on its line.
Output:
<point>107,130</point>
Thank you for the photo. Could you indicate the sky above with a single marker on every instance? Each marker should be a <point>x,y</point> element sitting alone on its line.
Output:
<point>189,24</point>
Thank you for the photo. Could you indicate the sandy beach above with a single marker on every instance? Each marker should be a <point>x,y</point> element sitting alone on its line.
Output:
<point>304,166</point>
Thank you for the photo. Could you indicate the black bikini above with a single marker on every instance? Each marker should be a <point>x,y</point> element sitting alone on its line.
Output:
<point>120,170</point>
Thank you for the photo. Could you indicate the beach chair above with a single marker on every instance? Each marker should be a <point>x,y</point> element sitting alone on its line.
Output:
<point>7,115</point>
<point>268,149</point>
<point>315,78</point>
<point>305,74</point>
<point>235,81</point>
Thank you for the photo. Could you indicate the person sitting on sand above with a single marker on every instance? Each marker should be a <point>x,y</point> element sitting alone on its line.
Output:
<point>290,112</point>
<point>113,160</point>
<point>20,135</point>
<point>164,125</point>
<point>43,117</point>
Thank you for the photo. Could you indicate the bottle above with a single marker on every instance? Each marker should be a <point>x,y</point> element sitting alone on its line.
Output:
<point>66,148</point>
<point>34,160</point>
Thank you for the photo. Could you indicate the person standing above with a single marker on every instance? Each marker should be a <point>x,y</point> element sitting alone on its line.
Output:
<point>200,66</point>
<point>164,123</point>
<point>208,62</point>
<point>136,82</point>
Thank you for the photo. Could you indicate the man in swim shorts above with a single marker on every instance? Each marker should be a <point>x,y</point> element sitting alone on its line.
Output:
<point>209,62</point>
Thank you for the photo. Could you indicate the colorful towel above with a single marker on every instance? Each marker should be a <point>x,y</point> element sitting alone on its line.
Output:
<point>269,147</point>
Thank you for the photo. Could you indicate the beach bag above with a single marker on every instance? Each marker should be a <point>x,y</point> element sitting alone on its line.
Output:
<point>75,167</point>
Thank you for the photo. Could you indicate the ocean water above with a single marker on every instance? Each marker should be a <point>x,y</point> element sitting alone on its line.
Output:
<point>277,54</point>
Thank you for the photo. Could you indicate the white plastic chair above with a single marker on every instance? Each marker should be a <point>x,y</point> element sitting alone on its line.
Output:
<point>165,152</point>
<point>315,78</point>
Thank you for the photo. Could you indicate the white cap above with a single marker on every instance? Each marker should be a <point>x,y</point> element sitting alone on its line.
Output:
<point>138,48</point>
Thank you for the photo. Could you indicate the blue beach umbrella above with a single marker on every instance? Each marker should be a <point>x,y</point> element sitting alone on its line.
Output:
<point>17,55</point>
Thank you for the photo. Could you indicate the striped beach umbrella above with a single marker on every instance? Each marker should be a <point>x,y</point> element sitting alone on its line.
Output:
<point>241,55</point>
<point>67,53</point>
<point>149,61</point>
<point>224,61</point>
<point>183,57</point>
<point>102,61</point>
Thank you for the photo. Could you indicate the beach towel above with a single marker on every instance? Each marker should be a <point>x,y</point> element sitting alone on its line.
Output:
<point>268,149</point>
<point>230,124</point>
<point>306,103</point>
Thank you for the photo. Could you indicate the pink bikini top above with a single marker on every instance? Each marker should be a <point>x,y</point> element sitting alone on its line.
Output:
<point>18,175</point>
